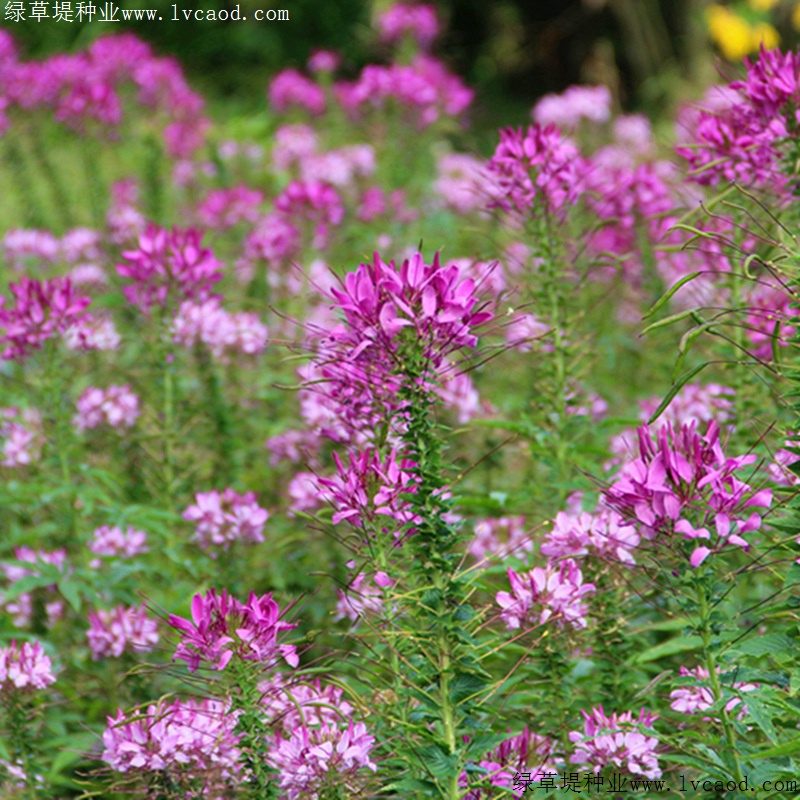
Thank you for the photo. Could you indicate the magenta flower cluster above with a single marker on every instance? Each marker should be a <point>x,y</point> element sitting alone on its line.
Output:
<point>682,483</point>
<point>221,519</point>
<point>168,267</point>
<point>418,22</point>
<point>222,628</point>
<point>42,310</point>
<point>537,169</point>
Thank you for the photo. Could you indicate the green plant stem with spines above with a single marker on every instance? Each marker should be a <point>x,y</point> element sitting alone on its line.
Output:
<point>434,623</point>
<point>252,729</point>
<point>20,740</point>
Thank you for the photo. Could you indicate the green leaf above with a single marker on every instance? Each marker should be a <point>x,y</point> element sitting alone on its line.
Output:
<point>770,644</point>
<point>465,687</point>
<point>680,644</point>
<point>676,387</point>
<point>665,298</point>
<point>440,763</point>
<point>785,749</point>
<point>72,594</point>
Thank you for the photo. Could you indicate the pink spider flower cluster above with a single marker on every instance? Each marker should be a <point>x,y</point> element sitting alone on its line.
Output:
<point>363,596</point>
<point>21,437</point>
<point>312,759</point>
<point>42,310</point>
<point>527,753</point>
<point>222,628</point>
<point>224,208</point>
<point>500,538</point>
<point>221,519</point>
<point>553,593</point>
<point>110,540</point>
<point>92,333</point>
<point>617,741</point>
<point>380,301</point>
<point>113,632</point>
<point>24,668</point>
<point>604,534</point>
<point>292,704</point>
<point>194,737</point>
<point>742,137</point>
<point>424,90</point>
<point>291,88</point>
<point>592,103</point>
<point>698,696</point>
<point>222,332</point>
<point>168,266</point>
<point>418,22</point>
<point>682,482</point>
<point>115,407</point>
<point>536,169</point>
<point>371,486</point>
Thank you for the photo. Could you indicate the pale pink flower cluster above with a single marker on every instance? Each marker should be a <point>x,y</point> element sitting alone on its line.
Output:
<point>309,760</point>
<point>116,407</point>
<point>113,541</point>
<point>113,632</point>
<point>21,436</point>
<point>555,592</point>
<point>19,245</point>
<point>526,331</point>
<point>363,596</point>
<point>24,668</point>
<point>617,741</point>
<point>225,208</point>
<point>592,103</point>
<point>222,519</point>
<point>92,333</point>
<point>604,534</point>
<point>406,19</point>
<point>457,391</point>
<point>499,538</point>
<point>306,494</point>
<point>192,736</point>
<point>339,167</point>
<point>291,704</point>
<point>222,628</point>
<point>21,607</point>
<point>463,182</point>
<point>698,696</point>
<point>222,332</point>
<point>125,222</point>
<point>292,144</point>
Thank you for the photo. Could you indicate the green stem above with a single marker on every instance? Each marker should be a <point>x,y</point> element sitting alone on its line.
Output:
<point>711,666</point>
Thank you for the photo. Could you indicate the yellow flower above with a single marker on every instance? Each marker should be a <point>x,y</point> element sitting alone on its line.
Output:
<point>729,32</point>
<point>765,34</point>
<point>796,17</point>
<point>762,5</point>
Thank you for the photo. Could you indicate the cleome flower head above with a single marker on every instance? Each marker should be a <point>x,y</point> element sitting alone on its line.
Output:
<point>43,310</point>
<point>223,518</point>
<point>554,592</point>
<point>222,628</point>
<point>313,759</point>
<point>380,300</point>
<point>168,265</point>
<point>24,668</point>
<point>682,482</point>
<point>617,741</point>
